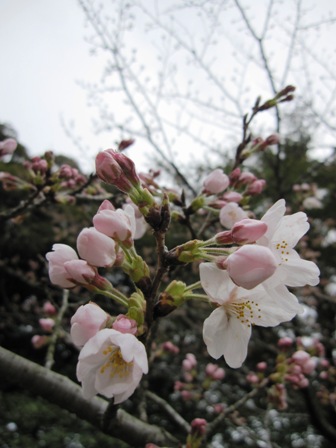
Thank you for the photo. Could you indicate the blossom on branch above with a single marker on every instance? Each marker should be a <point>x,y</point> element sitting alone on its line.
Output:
<point>112,364</point>
<point>282,235</point>
<point>228,328</point>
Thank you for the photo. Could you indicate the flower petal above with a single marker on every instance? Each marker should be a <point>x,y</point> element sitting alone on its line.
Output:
<point>225,335</point>
<point>216,282</point>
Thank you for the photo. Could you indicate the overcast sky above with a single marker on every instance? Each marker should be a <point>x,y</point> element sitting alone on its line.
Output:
<point>43,54</point>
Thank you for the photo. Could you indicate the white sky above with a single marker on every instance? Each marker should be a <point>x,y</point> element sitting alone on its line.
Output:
<point>43,54</point>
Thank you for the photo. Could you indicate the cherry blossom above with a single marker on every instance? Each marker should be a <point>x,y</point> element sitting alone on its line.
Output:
<point>61,254</point>
<point>228,328</point>
<point>112,364</point>
<point>282,235</point>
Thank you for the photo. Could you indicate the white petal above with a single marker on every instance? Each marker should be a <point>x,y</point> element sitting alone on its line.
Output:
<point>275,306</point>
<point>216,282</point>
<point>291,228</point>
<point>300,272</point>
<point>214,331</point>
<point>272,218</point>
<point>236,343</point>
<point>227,336</point>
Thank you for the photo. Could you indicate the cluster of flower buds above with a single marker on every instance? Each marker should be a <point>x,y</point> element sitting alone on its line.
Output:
<point>197,433</point>
<point>108,243</point>
<point>46,324</point>
<point>71,178</point>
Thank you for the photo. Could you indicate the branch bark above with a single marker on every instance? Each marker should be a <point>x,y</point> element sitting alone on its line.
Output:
<point>65,393</point>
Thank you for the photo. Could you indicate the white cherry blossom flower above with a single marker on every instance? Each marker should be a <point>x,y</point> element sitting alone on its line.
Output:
<point>112,364</point>
<point>281,237</point>
<point>227,330</point>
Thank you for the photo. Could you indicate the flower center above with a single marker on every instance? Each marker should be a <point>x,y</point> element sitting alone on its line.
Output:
<point>246,311</point>
<point>282,248</point>
<point>115,362</point>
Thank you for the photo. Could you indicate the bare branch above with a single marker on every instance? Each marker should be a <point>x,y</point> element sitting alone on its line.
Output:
<point>66,394</point>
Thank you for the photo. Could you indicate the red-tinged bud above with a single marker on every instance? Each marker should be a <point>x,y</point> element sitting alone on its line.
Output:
<point>125,144</point>
<point>117,169</point>
<point>286,91</point>
<point>39,341</point>
<point>224,237</point>
<point>198,426</point>
<point>49,308</point>
<point>273,139</point>
<point>256,187</point>
<point>11,183</point>
<point>234,175</point>
<point>248,231</point>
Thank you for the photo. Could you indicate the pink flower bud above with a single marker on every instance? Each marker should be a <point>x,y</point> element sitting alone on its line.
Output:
<point>86,322</point>
<point>250,265</point>
<point>272,139</point>
<point>309,366</point>
<point>214,372</point>
<point>198,426</point>
<point>248,230</point>
<point>39,341</point>
<point>324,375</point>
<point>246,178</point>
<point>230,214</point>
<point>232,196</point>
<point>218,374</point>
<point>117,169</point>
<point>178,386</point>
<point>261,366</point>
<point>115,224</point>
<point>170,347</point>
<point>80,272</point>
<point>124,324</point>
<point>300,357</point>
<point>234,175</point>
<point>106,205</point>
<point>256,187</point>
<point>47,324</point>
<point>252,378</point>
<point>285,342</point>
<point>48,308</point>
<point>7,146</point>
<point>192,359</point>
<point>96,248</point>
<point>187,365</point>
<point>224,237</point>
<point>186,395</point>
<point>216,182</point>
<point>57,273</point>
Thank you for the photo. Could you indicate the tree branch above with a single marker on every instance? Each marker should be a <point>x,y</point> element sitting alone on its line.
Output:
<point>65,393</point>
